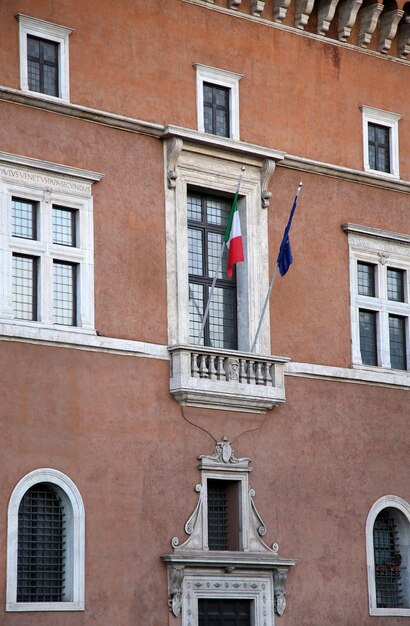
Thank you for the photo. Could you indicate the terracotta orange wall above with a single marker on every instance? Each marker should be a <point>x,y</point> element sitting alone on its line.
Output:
<point>110,424</point>
<point>297,94</point>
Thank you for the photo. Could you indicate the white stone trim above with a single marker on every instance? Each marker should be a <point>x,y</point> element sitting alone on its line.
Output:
<point>255,586</point>
<point>53,32</point>
<point>224,78</point>
<point>391,121</point>
<point>363,374</point>
<point>41,182</point>
<point>383,249</point>
<point>213,172</point>
<point>378,506</point>
<point>74,507</point>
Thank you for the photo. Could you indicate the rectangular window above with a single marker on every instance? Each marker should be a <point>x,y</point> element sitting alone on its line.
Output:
<point>25,287</point>
<point>223,515</point>
<point>224,612</point>
<point>207,221</point>
<point>368,337</point>
<point>365,279</point>
<point>64,226</point>
<point>379,147</point>
<point>42,65</point>
<point>64,293</point>
<point>24,218</point>
<point>216,110</point>
<point>397,339</point>
<point>395,284</point>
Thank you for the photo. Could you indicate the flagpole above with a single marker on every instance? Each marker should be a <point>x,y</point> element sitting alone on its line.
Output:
<point>205,317</point>
<point>271,282</point>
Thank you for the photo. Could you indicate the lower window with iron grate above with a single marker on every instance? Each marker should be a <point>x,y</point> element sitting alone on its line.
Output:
<point>224,612</point>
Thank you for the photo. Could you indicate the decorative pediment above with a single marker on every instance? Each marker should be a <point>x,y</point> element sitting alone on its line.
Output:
<point>194,556</point>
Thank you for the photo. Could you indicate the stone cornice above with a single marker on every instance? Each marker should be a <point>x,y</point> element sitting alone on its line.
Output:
<point>369,231</point>
<point>77,111</point>
<point>240,560</point>
<point>206,140</point>
<point>55,168</point>
<point>345,173</point>
<point>298,31</point>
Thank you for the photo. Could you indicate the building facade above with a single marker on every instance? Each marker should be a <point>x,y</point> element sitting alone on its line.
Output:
<point>157,469</point>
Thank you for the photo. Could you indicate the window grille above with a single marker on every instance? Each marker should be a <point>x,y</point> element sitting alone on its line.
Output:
<point>221,612</point>
<point>395,284</point>
<point>216,110</point>
<point>41,545</point>
<point>387,560</point>
<point>42,65</point>
<point>207,220</point>
<point>365,279</point>
<point>64,293</point>
<point>397,338</point>
<point>218,520</point>
<point>64,226</point>
<point>379,147</point>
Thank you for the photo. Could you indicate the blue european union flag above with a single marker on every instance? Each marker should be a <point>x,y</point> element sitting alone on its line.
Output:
<point>285,257</point>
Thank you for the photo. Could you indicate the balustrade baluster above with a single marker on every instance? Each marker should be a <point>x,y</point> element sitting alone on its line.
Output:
<point>203,370</point>
<point>258,373</point>
<point>211,366</point>
<point>242,371</point>
<point>220,372</point>
<point>194,365</point>
<point>251,375</point>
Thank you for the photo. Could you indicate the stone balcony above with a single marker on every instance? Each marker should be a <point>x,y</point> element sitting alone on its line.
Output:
<point>226,379</point>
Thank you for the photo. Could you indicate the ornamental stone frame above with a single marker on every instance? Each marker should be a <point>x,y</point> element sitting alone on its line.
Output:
<point>253,572</point>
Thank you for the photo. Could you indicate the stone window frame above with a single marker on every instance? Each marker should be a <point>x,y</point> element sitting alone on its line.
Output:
<point>47,184</point>
<point>215,584</point>
<point>389,501</point>
<point>75,541</point>
<point>391,121</point>
<point>223,78</point>
<point>212,170</point>
<point>382,249</point>
<point>51,32</point>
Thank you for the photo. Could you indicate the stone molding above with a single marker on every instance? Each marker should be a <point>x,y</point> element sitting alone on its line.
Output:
<point>325,14</point>
<point>280,9</point>
<point>302,12</point>
<point>388,24</point>
<point>404,40</point>
<point>231,570</point>
<point>368,19</point>
<point>257,7</point>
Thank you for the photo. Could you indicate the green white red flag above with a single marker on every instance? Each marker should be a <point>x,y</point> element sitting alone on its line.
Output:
<point>233,238</point>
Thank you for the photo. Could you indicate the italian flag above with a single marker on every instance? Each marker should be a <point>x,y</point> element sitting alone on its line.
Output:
<point>233,238</point>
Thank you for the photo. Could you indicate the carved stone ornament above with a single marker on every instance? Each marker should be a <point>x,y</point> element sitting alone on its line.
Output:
<point>383,257</point>
<point>233,370</point>
<point>233,4</point>
<point>303,10</point>
<point>404,40</point>
<point>47,195</point>
<point>267,169</point>
<point>257,7</point>
<point>368,19</point>
<point>388,24</point>
<point>348,11</point>
<point>279,580</point>
<point>175,579</point>
<point>224,453</point>
<point>174,148</point>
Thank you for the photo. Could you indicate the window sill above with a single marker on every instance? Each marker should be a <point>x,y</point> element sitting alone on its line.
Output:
<point>46,97</point>
<point>379,174</point>
<point>226,379</point>
<point>391,612</point>
<point>44,606</point>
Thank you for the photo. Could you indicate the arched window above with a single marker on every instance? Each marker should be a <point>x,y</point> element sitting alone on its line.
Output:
<point>388,556</point>
<point>45,549</point>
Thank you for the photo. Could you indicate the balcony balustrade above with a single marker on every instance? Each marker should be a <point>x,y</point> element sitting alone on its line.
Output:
<point>226,379</point>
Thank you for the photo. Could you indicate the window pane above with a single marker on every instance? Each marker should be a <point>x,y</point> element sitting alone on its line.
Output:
<point>221,123</point>
<point>195,260</point>
<point>196,311</point>
<point>222,319</point>
<point>40,561</point>
<point>24,287</point>
<point>33,47</point>
<point>397,342</point>
<point>215,241</point>
<point>64,223</point>
<point>50,51</point>
<point>216,109</point>
<point>33,70</point>
<point>365,279</point>
<point>64,291</point>
<point>208,119</point>
<point>379,147</point>
<point>194,210</point>
<point>50,80</point>
<point>368,337</point>
<point>23,218</point>
<point>395,284</point>
<point>217,515</point>
<point>224,612</point>
<point>217,212</point>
